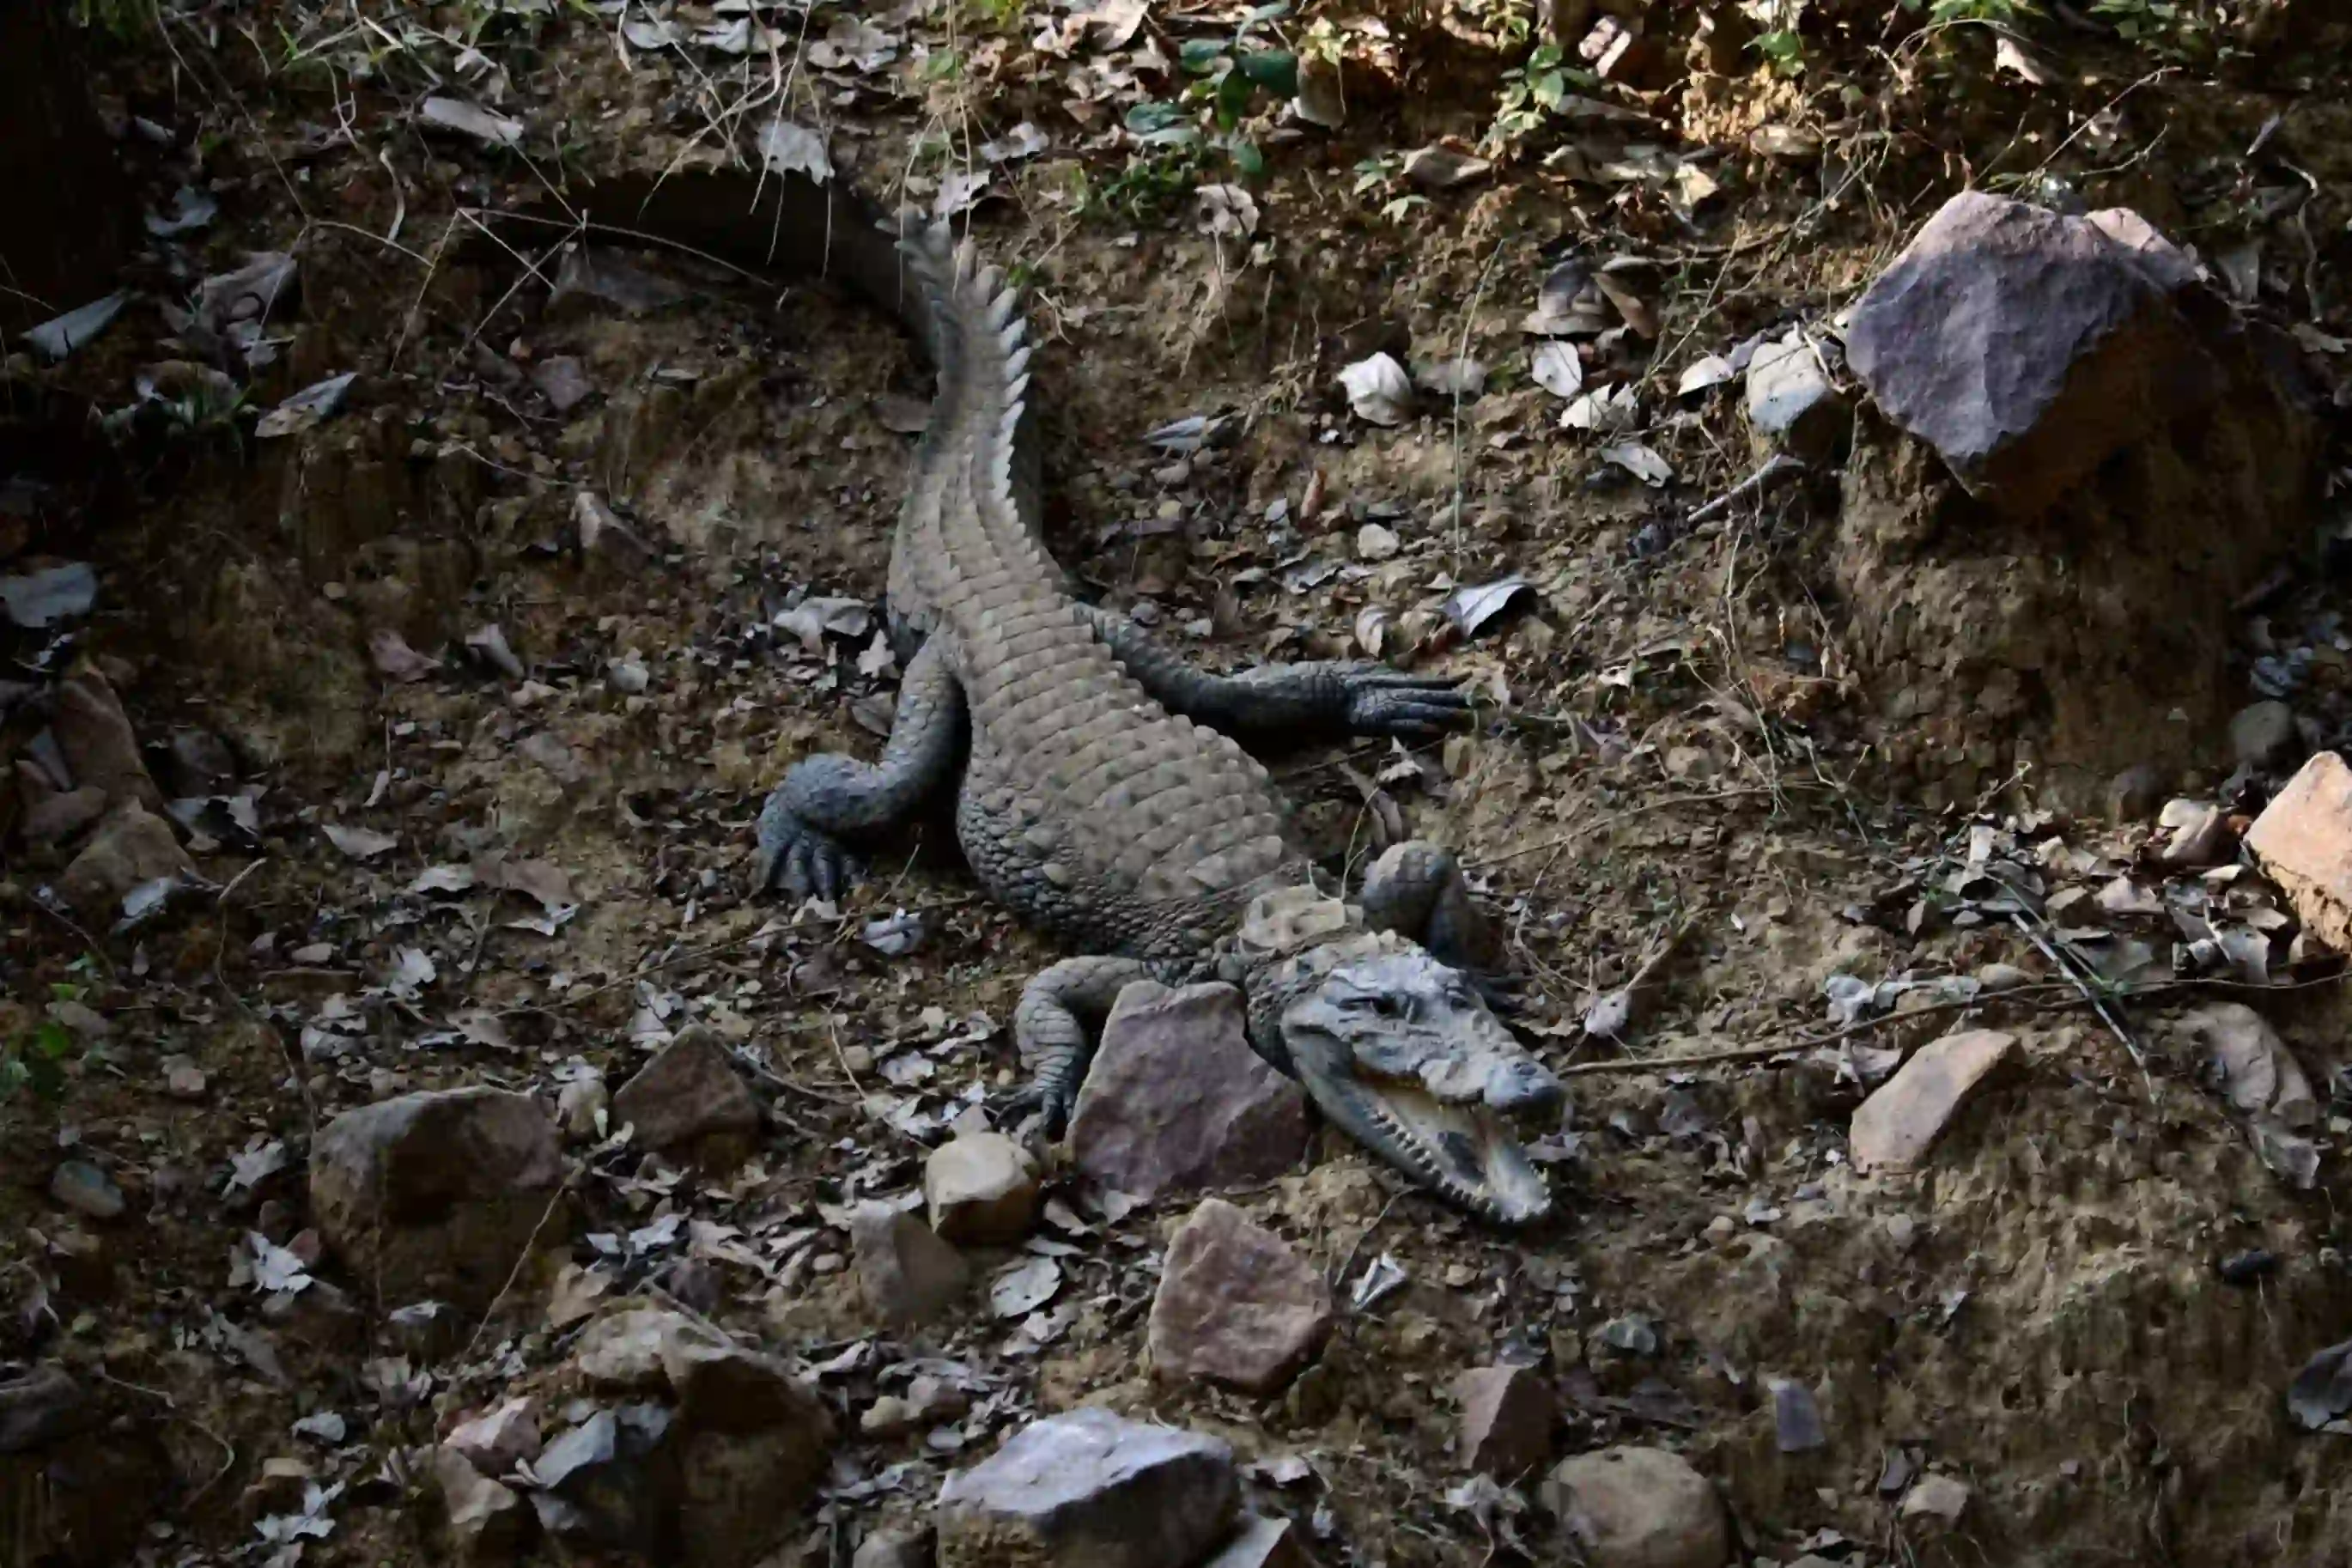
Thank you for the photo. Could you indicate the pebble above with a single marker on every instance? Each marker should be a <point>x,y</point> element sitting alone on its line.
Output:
<point>981,1190</point>
<point>495,1441</point>
<point>1375,543</point>
<point>1506,1419</point>
<point>1792,404</point>
<point>183,1079</point>
<point>1639,1508</point>
<point>1089,1489</point>
<point>907,1275</point>
<point>1235,1305</point>
<point>1263,1543</point>
<point>1176,1101</point>
<point>1895,1128</point>
<point>690,1098</point>
<point>1936,1499</point>
<point>87,1191</point>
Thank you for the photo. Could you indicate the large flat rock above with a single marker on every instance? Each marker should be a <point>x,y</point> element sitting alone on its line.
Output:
<point>1900,1123</point>
<point>1176,1101</point>
<point>1089,1489</point>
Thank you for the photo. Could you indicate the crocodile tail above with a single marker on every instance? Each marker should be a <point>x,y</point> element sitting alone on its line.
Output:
<point>980,343</point>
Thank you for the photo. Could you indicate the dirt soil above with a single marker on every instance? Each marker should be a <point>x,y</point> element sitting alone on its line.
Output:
<point>496,650</point>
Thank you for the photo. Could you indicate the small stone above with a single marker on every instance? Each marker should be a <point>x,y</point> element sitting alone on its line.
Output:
<point>493,1441</point>
<point>2263,735</point>
<point>1639,1508</point>
<point>1507,1415</point>
<point>1263,1543</point>
<point>1896,1126</point>
<point>59,816</point>
<point>436,1196</point>
<point>908,1275</point>
<point>1796,1416</point>
<point>563,382</point>
<point>2200,836</point>
<point>484,1518</point>
<point>1087,1489</point>
<point>183,1079</point>
<point>689,1097</point>
<point>1375,543</point>
<point>2302,841</point>
<point>629,677</point>
<point>1235,1305</point>
<point>87,1191</point>
<point>926,1402</point>
<point>981,1190</point>
<point>1792,404</point>
<point>1936,1499</point>
<point>131,847</point>
<point>1998,977</point>
<point>1176,1101</point>
<point>100,746</point>
<point>582,1107</point>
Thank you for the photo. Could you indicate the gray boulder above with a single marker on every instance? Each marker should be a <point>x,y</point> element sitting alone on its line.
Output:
<point>2026,348</point>
<point>1089,1489</point>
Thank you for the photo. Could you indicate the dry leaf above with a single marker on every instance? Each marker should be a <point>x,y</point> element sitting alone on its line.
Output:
<point>1379,390</point>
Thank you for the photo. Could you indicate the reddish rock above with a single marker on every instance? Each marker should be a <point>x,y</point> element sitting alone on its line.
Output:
<point>1176,1101</point>
<point>2302,841</point>
<point>690,1098</point>
<point>2027,347</point>
<point>1087,1489</point>
<point>437,1194</point>
<point>1236,1306</point>
<point>1895,1127</point>
<point>1507,1415</point>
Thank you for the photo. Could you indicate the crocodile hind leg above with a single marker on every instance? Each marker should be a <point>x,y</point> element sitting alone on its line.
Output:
<point>825,797</point>
<point>1349,695</point>
<point>1416,890</point>
<point>1059,1019</point>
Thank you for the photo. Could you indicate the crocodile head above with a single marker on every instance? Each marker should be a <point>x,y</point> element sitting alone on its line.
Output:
<point>1402,1052</point>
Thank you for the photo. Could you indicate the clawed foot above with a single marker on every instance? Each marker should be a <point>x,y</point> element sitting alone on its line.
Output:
<point>1505,994</point>
<point>799,859</point>
<point>1052,1107</point>
<point>1383,701</point>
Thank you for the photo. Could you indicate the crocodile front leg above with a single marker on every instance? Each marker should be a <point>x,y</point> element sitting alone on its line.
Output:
<point>1416,890</point>
<point>1361,698</point>
<point>825,797</point>
<point>1056,1023</point>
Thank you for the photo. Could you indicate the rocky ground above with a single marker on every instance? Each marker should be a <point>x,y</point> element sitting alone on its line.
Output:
<point>420,1143</point>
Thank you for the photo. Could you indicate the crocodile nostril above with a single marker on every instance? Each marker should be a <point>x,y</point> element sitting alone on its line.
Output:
<point>1523,1085</point>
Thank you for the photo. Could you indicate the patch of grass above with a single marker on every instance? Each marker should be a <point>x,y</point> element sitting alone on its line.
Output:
<point>121,20</point>
<point>34,1062</point>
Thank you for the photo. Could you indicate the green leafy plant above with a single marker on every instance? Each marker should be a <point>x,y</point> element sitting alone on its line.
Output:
<point>1534,90</point>
<point>2004,11</point>
<point>35,1060</point>
<point>1379,176</point>
<point>1226,77</point>
<point>2179,29</point>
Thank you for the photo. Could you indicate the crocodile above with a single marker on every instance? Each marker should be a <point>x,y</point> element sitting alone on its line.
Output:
<point>1102,791</point>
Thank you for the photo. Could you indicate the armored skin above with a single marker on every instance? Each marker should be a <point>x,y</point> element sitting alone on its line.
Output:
<point>1102,791</point>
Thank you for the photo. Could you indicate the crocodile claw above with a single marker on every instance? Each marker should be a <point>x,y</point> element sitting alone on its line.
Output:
<point>799,859</point>
<point>1051,1106</point>
<point>1382,701</point>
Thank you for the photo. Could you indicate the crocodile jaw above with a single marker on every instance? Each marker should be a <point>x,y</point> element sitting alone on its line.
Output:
<point>1400,1051</point>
